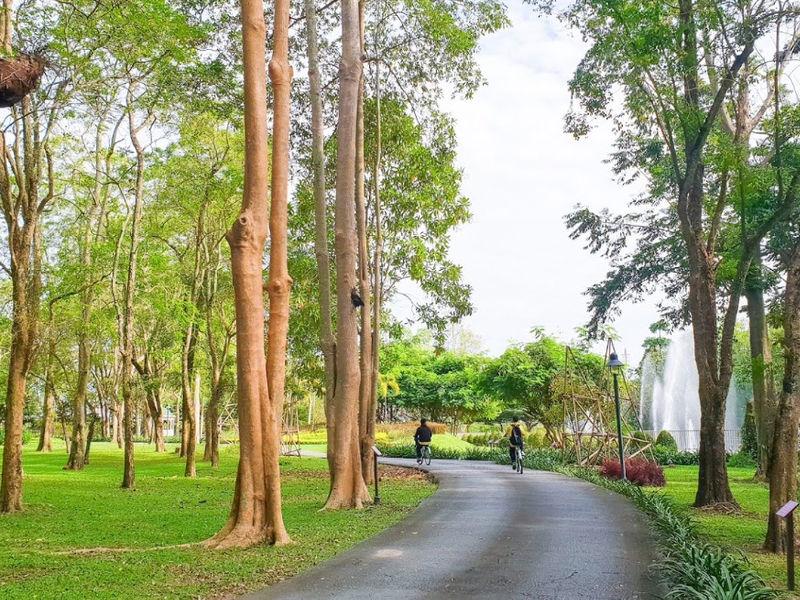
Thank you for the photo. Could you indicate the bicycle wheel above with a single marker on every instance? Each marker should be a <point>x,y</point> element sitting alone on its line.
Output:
<point>519,461</point>
<point>427,455</point>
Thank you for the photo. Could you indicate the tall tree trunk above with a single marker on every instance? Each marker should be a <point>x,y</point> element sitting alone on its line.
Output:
<point>48,405</point>
<point>327,341</point>
<point>189,433</point>
<point>89,438</point>
<point>347,486</point>
<point>783,470</point>
<point>764,398</point>
<point>377,266</point>
<point>365,363</point>
<point>128,401</point>
<point>76,460</point>
<point>212,431</point>
<point>256,512</point>
<point>24,245</point>
<point>713,487</point>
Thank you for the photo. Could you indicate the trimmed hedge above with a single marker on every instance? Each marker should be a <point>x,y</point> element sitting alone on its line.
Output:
<point>409,451</point>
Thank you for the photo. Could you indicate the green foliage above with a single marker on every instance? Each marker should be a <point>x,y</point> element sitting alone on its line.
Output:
<point>665,440</point>
<point>666,455</point>
<point>406,450</point>
<point>526,378</point>
<point>741,459</point>
<point>438,386</point>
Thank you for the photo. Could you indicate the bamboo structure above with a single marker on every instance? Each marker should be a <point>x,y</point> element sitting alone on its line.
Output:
<point>589,433</point>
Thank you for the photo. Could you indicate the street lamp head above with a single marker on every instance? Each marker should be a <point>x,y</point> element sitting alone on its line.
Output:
<point>614,362</point>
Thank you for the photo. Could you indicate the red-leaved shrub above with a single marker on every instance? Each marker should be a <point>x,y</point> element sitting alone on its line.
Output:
<point>638,470</point>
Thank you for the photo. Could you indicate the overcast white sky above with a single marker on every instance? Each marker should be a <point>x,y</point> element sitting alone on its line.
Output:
<point>523,174</point>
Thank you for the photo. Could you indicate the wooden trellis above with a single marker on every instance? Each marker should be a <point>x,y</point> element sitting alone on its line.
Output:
<point>588,409</point>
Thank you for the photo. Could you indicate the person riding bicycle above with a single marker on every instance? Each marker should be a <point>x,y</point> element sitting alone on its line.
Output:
<point>422,435</point>
<point>515,440</point>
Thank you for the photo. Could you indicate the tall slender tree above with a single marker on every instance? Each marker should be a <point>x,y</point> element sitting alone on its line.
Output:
<point>256,512</point>
<point>327,341</point>
<point>347,483</point>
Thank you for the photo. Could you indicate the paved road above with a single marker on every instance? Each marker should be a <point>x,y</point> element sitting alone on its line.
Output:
<point>491,533</point>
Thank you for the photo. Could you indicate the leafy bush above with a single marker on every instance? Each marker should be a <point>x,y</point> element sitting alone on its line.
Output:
<point>638,471</point>
<point>741,459</point>
<point>665,440</point>
<point>668,456</point>
<point>537,438</point>
<point>314,437</point>
<point>481,428</point>
<point>481,439</point>
<point>405,450</point>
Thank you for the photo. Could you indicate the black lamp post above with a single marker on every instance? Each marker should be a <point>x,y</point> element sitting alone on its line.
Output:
<point>615,364</point>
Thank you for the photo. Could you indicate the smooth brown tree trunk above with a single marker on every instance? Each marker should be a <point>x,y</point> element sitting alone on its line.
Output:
<point>377,259</point>
<point>256,512</point>
<point>347,486</point>
<point>327,341</point>
<point>365,360</point>
<point>783,470</point>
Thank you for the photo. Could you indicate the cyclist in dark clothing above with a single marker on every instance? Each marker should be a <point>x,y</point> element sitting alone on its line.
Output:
<point>423,434</point>
<point>515,440</point>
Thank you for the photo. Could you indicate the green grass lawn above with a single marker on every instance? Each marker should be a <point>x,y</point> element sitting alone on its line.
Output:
<point>447,441</point>
<point>744,531</point>
<point>67,511</point>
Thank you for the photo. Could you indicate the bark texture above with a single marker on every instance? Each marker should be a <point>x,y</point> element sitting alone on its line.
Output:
<point>22,206</point>
<point>327,341</point>
<point>365,360</point>
<point>347,484</point>
<point>783,471</point>
<point>256,512</point>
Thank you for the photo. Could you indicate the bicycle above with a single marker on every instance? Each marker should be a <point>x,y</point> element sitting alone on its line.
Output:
<point>424,453</point>
<point>519,455</point>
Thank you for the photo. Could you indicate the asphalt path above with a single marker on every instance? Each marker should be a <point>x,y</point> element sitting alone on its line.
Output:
<point>489,532</point>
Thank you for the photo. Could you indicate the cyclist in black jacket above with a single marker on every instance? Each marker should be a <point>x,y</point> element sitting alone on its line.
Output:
<point>422,434</point>
<point>515,440</point>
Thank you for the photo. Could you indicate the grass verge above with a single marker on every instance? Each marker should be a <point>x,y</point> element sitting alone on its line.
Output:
<point>70,511</point>
<point>741,531</point>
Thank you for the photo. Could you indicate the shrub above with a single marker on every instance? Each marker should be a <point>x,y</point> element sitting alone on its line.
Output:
<point>741,459</point>
<point>537,438</point>
<point>481,439</point>
<point>638,470</point>
<point>405,450</point>
<point>667,456</point>
<point>314,437</point>
<point>665,440</point>
<point>481,428</point>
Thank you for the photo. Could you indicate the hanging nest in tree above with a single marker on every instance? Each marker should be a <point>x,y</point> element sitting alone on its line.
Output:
<point>19,76</point>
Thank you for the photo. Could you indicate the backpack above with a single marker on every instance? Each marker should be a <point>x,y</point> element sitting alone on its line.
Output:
<point>516,435</point>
